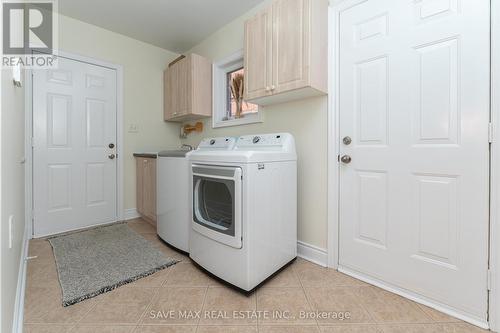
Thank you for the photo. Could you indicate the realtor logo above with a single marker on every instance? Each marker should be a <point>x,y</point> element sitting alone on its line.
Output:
<point>29,32</point>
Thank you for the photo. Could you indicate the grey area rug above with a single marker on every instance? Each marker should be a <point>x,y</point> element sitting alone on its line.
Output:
<point>99,260</point>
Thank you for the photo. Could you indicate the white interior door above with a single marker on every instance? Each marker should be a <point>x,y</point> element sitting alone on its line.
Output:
<point>74,123</point>
<point>414,98</point>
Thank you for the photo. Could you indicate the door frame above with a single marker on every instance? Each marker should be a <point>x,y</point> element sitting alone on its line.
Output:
<point>28,175</point>
<point>494,277</point>
<point>333,220</point>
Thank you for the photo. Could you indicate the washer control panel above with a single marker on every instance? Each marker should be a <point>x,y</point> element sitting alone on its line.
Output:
<point>221,143</point>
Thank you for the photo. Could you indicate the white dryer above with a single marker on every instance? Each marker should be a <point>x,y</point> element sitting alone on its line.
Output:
<point>173,194</point>
<point>244,208</point>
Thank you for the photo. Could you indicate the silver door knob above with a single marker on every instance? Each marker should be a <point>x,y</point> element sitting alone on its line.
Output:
<point>111,156</point>
<point>347,140</point>
<point>346,159</point>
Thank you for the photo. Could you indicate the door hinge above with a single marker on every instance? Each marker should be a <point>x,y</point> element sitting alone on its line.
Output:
<point>490,133</point>
<point>489,279</point>
<point>32,139</point>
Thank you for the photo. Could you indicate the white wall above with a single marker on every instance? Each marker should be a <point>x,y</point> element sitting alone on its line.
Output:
<point>305,119</point>
<point>12,195</point>
<point>143,66</point>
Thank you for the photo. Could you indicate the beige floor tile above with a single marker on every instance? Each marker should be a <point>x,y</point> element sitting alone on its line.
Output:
<point>438,316</point>
<point>164,248</point>
<point>154,280</point>
<point>386,307</point>
<point>141,226</point>
<point>42,273</point>
<point>187,275</point>
<point>337,305</point>
<point>368,328</point>
<point>44,305</point>
<point>124,305</point>
<point>102,329</point>
<point>432,328</point>
<point>225,306</point>
<point>177,305</point>
<point>286,278</point>
<point>165,329</point>
<point>283,306</point>
<point>40,248</point>
<point>227,329</point>
<point>288,329</point>
<point>41,328</point>
<point>312,275</point>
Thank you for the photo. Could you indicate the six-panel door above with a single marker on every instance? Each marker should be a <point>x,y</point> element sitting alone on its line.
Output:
<point>74,168</point>
<point>414,98</point>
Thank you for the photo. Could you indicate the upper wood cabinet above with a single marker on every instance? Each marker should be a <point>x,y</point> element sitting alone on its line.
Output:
<point>286,52</point>
<point>188,89</point>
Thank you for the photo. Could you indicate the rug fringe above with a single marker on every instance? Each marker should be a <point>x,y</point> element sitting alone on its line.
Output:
<point>119,284</point>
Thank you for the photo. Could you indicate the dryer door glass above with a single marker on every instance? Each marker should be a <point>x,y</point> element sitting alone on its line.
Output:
<point>214,204</point>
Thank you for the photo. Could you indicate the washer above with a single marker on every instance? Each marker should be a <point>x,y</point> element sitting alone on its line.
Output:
<point>244,208</point>
<point>172,198</point>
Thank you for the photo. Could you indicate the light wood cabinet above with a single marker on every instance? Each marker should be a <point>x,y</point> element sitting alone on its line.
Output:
<point>188,89</point>
<point>286,52</point>
<point>258,55</point>
<point>146,188</point>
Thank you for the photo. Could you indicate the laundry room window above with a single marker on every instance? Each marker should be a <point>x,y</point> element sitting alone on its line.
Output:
<point>228,89</point>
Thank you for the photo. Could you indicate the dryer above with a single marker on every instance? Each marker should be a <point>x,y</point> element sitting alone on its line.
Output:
<point>244,208</point>
<point>173,198</point>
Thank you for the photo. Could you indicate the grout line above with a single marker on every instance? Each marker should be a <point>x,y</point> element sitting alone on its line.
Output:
<point>202,307</point>
<point>307,299</point>
<point>153,299</point>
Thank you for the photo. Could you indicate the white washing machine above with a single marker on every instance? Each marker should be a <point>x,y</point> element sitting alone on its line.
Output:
<point>173,195</point>
<point>244,208</point>
<point>172,198</point>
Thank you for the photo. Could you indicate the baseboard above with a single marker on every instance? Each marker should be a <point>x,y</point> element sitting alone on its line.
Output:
<point>414,297</point>
<point>312,253</point>
<point>17,324</point>
<point>130,213</point>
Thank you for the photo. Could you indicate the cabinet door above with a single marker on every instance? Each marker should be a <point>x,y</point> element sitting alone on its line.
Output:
<point>171,92</point>
<point>182,87</point>
<point>149,189</point>
<point>290,44</point>
<point>139,162</point>
<point>258,55</point>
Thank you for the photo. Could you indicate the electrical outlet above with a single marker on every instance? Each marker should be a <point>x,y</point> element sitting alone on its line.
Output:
<point>11,230</point>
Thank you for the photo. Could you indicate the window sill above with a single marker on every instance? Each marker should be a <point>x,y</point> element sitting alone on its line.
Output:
<point>249,119</point>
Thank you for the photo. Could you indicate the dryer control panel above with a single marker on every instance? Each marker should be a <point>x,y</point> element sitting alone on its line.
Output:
<point>221,143</point>
<point>275,142</point>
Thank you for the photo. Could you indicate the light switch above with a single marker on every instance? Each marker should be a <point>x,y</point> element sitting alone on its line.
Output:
<point>133,128</point>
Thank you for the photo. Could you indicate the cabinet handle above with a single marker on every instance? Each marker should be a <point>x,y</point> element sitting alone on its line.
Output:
<point>268,89</point>
<point>273,87</point>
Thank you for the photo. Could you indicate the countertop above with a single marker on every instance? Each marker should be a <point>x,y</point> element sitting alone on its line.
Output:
<point>146,154</point>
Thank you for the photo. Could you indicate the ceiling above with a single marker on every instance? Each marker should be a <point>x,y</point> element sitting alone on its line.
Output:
<point>175,25</point>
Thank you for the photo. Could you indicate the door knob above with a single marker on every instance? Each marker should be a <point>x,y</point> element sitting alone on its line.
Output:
<point>111,156</point>
<point>111,145</point>
<point>346,159</point>
<point>347,140</point>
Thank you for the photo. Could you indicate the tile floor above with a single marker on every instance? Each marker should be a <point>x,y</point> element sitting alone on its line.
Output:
<point>276,307</point>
